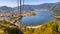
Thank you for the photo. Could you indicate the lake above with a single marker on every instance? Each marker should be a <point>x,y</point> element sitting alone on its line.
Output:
<point>41,17</point>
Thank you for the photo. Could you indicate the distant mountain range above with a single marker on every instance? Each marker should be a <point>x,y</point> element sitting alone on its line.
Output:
<point>5,8</point>
<point>29,7</point>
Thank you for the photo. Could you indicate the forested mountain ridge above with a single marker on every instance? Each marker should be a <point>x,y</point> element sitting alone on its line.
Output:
<point>56,8</point>
<point>28,7</point>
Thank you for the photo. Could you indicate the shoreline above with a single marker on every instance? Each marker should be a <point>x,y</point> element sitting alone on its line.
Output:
<point>34,26</point>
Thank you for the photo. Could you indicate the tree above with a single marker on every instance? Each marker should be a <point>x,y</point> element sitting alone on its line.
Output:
<point>13,31</point>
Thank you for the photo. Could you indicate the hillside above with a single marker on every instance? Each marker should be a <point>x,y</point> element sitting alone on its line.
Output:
<point>45,6</point>
<point>56,8</point>
<point>5,8</point>
<point>28,7</point>
<point>51,27</point>
<point>9,28</point>
<point>41,6</point>
<point>25,8</point>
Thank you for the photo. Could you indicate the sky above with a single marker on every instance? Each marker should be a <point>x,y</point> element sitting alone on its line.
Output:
<point>13,3</point>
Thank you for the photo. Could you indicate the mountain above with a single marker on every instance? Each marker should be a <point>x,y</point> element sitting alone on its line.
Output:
<point>33,7</point>
<point>5,8</point>
<point>25,8</point>
<point>46,6</point>
<point>56,8</point>
<point>28,7</point>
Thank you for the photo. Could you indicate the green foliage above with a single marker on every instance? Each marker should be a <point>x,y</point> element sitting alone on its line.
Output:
<point>51,27</point>
<point>29,31</point>
<point>13,31</point>
<point>9,28</point>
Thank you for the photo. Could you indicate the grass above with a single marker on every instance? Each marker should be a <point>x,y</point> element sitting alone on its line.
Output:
<point>4,26</point>
<point>1,31</point>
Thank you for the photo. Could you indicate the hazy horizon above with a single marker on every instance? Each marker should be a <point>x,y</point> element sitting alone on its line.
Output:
<point>13,3</point>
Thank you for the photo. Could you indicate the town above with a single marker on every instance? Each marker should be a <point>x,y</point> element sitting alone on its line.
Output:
<point>10,16</point>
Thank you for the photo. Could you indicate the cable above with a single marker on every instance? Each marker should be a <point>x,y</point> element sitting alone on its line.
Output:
<point>23,5</point>
<point>18,5</point>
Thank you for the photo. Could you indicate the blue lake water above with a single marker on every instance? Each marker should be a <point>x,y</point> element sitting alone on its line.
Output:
<point>41,17</point>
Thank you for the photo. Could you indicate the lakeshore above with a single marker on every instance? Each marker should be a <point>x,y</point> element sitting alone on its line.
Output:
<point>12,16</point>
<point>34,26</point>
<point>56,15</point>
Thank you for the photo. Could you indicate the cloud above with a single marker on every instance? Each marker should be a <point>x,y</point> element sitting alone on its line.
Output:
<point>9,5</point>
